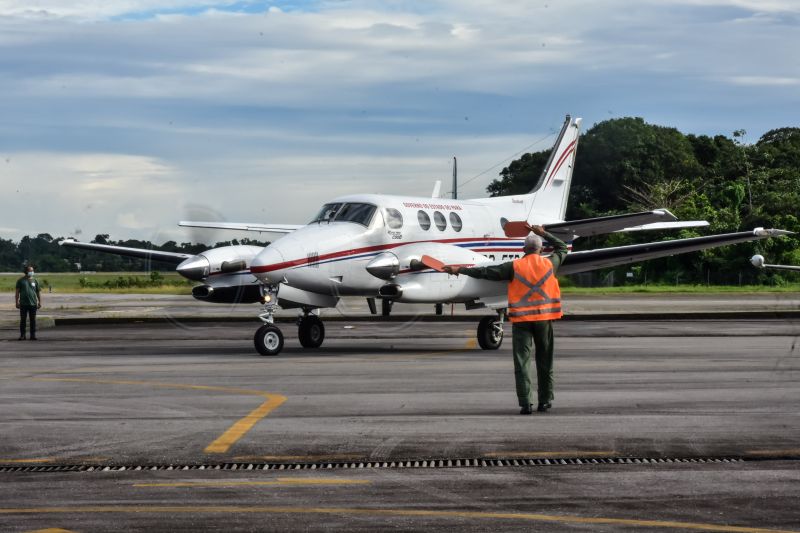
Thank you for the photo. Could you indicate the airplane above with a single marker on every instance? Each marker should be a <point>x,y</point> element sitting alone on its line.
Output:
<point>388,247</point>
<point>758,262</point>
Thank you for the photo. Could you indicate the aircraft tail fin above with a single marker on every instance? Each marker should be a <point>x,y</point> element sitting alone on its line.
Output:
<point>549,196</point>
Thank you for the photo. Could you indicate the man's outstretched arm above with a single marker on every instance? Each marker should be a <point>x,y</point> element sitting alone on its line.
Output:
<point>502,272</point>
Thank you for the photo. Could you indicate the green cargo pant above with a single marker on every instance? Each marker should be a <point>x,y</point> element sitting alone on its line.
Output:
<point>541,333</point>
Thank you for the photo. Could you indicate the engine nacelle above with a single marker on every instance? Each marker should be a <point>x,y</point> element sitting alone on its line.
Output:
<point>223,260</point>
<point>415,284</point>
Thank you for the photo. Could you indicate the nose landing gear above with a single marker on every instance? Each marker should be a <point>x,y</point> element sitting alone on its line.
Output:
<point>268,339</point>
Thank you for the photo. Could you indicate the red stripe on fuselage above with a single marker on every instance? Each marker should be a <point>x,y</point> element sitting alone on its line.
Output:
<point>356,251</point>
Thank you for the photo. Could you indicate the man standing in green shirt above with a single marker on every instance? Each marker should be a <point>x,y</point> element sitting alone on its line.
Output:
<point>534,301</point>
<point>28,298</point>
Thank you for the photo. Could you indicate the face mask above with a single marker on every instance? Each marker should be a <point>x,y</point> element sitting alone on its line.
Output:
<point>30,274</point>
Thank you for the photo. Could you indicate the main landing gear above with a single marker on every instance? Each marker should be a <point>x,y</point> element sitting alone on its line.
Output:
<point>311,330</point>
<point>268,339</point>
<point>490,331</point>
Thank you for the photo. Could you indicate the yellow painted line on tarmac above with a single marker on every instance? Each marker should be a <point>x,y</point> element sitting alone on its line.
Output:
<point>572,453</point>
<point>281,481</point>
<point>471,344</point>
<point>36,460</point>
<point>28,461</point>
<point>297,457</point>
<point>51,530</point>
<point>422,513</point>
<point>768,453</point>
<point>223,443</point>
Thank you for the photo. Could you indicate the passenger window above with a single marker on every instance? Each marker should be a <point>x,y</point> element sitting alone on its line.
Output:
<point>439,220</point>
<point>424,220</point>
<point>394,219</point>
<point>455,222</point>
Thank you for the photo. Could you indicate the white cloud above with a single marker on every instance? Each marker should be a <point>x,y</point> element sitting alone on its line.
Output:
<point>93,9</point>
<point>97,193</point>
<point>766,81</point>
<point>263,117</point>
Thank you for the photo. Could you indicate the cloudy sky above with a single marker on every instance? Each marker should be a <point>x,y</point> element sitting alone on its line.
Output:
<point>124,116</point>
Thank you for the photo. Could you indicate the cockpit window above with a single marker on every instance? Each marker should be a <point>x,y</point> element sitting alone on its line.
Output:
<point>327,213</point>
<point>350,212</point>
<point>358,213</point>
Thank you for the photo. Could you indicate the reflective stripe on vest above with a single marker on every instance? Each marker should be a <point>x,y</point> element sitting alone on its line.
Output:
<point>534,293</point>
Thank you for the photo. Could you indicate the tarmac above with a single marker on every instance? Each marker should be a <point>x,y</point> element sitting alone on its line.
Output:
<point>658,424</point>
<point>88,308</point>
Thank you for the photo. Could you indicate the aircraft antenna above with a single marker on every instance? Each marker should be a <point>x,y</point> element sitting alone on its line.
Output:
<point>455,178</point>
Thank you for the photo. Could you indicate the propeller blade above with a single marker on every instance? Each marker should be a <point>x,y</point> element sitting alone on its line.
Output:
<point>517,229</point>
<point>205,236</point>
<point>433,263</point>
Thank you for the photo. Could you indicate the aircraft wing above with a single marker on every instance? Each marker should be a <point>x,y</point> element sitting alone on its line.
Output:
<point>646,220</point>
<point>238,226</point>
<point>142,253</point>
<point>621,255</point>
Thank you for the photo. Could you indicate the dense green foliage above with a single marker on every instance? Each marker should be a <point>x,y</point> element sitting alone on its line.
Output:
<point>626,165</point>
<point>48,255</point>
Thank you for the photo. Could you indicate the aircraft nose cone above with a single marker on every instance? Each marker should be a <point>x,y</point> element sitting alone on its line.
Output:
<point>269,265</point>
<point>195,268</point>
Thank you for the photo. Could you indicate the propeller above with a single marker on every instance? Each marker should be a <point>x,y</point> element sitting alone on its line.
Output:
<point>205,213</point>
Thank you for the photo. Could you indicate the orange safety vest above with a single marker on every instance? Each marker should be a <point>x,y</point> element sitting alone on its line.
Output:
<point>533,294</point>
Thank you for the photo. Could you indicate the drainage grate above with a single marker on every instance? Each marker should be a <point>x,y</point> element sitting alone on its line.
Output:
<point>413,463</point>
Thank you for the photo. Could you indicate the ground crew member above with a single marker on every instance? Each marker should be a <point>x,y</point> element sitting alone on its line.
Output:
<point>28,298</point>
<point>534,301</point>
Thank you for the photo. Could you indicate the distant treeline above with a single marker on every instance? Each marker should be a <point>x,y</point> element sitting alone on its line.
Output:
<point>623,165</point>
<point>626,165</point>
<point>45,252</point>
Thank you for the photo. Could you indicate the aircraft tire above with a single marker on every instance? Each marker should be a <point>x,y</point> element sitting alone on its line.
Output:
<point>490,337</point>
<point>268,340</point>
<point>311,332</point>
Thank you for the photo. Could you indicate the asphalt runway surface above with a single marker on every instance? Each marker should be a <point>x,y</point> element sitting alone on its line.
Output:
<point>656,426</point>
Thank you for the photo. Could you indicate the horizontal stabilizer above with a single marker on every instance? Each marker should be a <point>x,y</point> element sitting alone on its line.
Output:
<point>141,253</point>
<point>667,225</point>
<point>589,227</point>
<point>238,226</point>
<point>621,255</point>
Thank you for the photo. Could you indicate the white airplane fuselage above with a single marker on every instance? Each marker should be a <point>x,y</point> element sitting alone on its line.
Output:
<point>332,257</point>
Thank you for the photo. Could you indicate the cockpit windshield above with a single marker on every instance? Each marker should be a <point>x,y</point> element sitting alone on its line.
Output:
<point>349,212</point>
